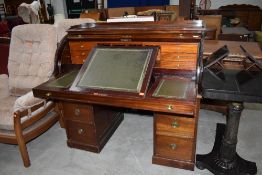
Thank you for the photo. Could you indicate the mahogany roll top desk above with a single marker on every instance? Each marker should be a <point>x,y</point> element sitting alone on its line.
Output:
<point>92,100</point>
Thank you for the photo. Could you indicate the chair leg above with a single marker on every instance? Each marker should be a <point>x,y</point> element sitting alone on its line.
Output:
<point>20,141</point>
<point>24,152</point>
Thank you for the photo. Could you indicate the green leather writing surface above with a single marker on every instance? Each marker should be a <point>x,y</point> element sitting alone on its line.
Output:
<point>116,69</point>
<point>64,81</point>
<point>172,88</point>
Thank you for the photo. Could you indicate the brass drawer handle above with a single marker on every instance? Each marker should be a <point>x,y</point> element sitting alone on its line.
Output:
<point>173,146</point>
<point>48,94</point>
<point>170,107</point>
<point>80,131</point>
<point>77,112</point>
<point>82,46</point>
<point>83,53</point>
<point>175,124</point>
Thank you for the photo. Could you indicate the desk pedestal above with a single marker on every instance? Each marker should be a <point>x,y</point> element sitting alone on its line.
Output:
<point>223,159</point>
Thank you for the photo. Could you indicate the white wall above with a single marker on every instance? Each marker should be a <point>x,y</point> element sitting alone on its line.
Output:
<point>217,3</point>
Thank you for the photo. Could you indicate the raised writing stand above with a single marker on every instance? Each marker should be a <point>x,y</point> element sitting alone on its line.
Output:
<point>251,68</point>
<point>213,63</point>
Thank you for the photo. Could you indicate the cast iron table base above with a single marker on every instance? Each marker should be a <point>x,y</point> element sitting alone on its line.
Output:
<point>223,159</point>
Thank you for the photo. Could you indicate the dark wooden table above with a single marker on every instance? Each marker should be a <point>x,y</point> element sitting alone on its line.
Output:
<point>235,52</point>
<point>234,34</point>
<point>234,86</point>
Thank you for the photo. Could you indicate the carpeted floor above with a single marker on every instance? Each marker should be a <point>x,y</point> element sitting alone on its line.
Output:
<point>128,152</point>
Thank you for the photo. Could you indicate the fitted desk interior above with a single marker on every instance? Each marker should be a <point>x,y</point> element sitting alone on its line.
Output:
<point>169,89</point>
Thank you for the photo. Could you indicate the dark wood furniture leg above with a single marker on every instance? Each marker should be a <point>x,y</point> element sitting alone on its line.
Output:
<point>223,159</point>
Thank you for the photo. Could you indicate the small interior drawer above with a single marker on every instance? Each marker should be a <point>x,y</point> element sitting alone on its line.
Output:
<point>75,45</point>
<point>179,48</point>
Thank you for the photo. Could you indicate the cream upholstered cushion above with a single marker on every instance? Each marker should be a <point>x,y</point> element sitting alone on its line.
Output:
<point>4,91</point>
<point>26,101</point>
<point>6,113</point>
<point>11,104</point>
<point>65,24</point>
<point>31,56</point>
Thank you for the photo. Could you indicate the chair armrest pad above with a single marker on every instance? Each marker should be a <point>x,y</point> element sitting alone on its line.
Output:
<point>26,101</point>
<point>4,91</point>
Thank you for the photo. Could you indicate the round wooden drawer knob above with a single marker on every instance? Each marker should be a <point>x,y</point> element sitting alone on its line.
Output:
<point>173,146</point>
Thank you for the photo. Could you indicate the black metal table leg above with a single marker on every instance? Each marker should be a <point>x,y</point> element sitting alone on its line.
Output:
<point>223,159</point>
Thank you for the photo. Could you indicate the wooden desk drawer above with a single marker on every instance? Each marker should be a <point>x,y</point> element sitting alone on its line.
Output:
<point>78,59</point>
<point>81,132</point>
<point>174,148</point>
<point>75,45</point>
<point>78,112</point>
<point>185,65</point>
<point>167,56</point>
<point>169,125</point>
<point>180,48</point>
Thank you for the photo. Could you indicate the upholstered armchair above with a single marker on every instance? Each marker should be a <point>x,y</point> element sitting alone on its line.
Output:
<point>31,62</point>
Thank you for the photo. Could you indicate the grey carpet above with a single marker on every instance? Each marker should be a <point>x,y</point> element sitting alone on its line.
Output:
<point>128,152</point>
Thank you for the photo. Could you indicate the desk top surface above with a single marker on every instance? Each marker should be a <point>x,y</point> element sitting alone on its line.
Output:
<point>235,30</point>
<point>235,51</point>
<point>232,85</point>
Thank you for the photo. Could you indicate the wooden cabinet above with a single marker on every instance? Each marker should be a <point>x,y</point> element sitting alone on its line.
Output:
<point>89,127</point>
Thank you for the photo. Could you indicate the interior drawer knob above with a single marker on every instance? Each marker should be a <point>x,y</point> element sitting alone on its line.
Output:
<point>173,146</point>
<point>82,46</point>
<point>175,124</point>
<point>80,131</point>
<point>77,111</point>
<point>83,53</point>
<point>170,107</point>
